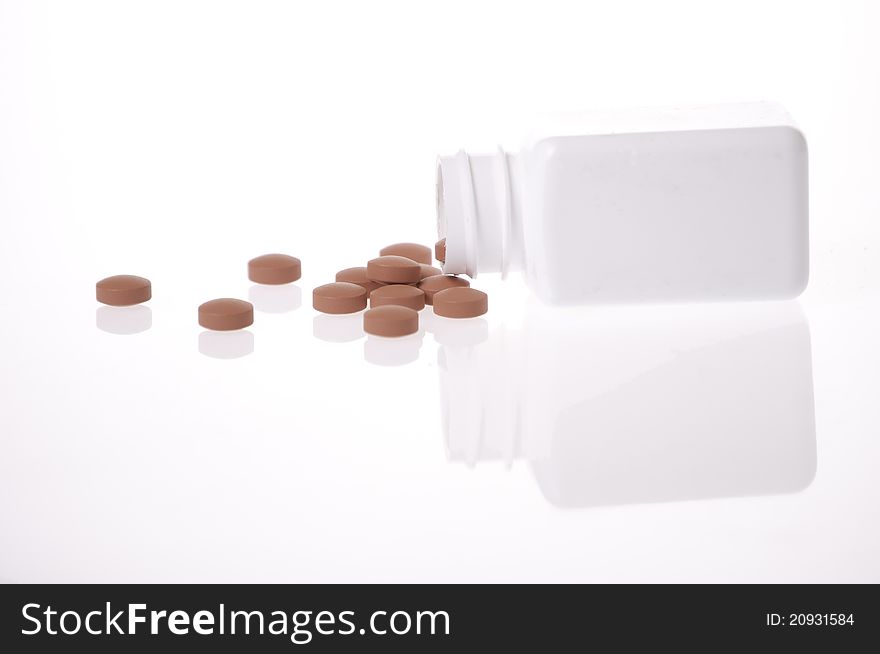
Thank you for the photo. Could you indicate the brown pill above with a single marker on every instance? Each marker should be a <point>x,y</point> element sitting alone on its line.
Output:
<point>440,250</point>
<point>429,271</point>
<point>414,251</point>
<point>401,295</point>
<point>461,302</point>
<point>431,285</point>
<point>226,314</point>
<point>123,290</point>
<point>393,269</point>
<point>358,276</point>
<point>339,297</point>
<point>274,269</point>
<point>391,320</point>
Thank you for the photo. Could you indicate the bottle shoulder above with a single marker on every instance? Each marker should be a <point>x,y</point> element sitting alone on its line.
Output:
<point>551,131</point>
<point>568,143</point>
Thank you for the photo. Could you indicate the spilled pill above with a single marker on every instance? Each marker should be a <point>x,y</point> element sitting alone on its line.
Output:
<point>123,290</point>
<point>429,271</point>
<point>391,320</point>
<point>339,297</point>
<point>435,283</point>
<point>440,250</point>
<point>414,251</point>
<point>225,314</point>
<point>460,302</point>
<point>274,269</point>
<point>393,269</point>
<point>358,275</point>
<point>402,295</point>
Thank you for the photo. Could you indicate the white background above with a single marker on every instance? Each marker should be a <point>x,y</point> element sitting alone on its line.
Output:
<point>176,140</point>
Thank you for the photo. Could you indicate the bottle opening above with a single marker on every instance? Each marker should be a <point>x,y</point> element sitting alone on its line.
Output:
<point>474,212</point>
<point>456,214</point>
<point>441,212</point>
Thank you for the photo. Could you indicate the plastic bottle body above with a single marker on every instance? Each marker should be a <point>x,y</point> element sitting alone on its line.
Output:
<point>707,203</point>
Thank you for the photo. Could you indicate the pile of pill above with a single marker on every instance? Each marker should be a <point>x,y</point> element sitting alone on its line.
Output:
<point>397,284</point>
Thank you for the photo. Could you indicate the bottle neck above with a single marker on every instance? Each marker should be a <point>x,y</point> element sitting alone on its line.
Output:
<point>479,213</point>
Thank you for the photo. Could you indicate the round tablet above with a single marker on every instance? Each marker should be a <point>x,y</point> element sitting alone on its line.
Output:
<point>429,271</point>
<point>339,297</point>
<point>226,314</point>
<point>440,250</point>
<point>391,320</point>
<point>393,269</point>
<point>398,294</point>
<point>431,285</point>
<point>358,276</point>
<point>460,302</point>
<point>414,251</point>
<point>123,290</point>
<point>274,269</point>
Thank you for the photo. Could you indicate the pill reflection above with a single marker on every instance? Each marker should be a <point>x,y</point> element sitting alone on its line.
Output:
<point>341,328</point>
<point>124,320</point>
<point>275,299</point>
<point>226,345</point>
<point>398,351</point>
<point>455,331</point>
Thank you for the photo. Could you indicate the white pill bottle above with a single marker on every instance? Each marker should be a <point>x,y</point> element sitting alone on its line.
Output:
<point>694,203</point>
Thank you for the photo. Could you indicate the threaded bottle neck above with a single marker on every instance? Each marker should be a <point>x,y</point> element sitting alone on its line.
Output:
<point>477,213</point>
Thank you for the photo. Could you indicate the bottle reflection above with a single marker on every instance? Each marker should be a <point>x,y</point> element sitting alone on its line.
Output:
<point>625,405</point>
